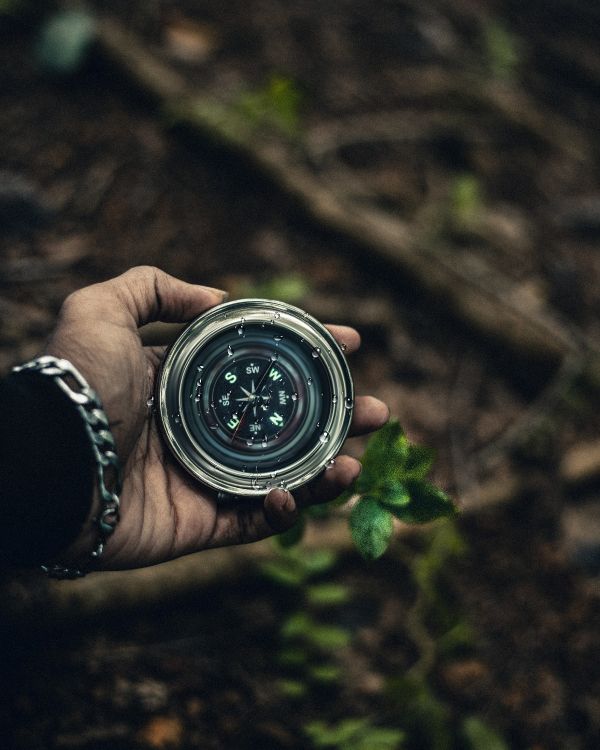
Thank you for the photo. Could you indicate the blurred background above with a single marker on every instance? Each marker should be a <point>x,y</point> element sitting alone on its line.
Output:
<point>425,171</point>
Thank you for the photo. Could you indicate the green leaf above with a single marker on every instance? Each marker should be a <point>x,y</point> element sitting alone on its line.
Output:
<point>371,526</point>
<point>292,536</point>
<point>424,715</point>
<point>353,734</point>
<point>460,637</point>
<point>324,735</point>
<point>276,105</point>
<point>64,41</point>
<point>301,626</point>
<point>292,688</point>
<point>384,457</point>
<point>394,495</point>
<point>327,594</point>
<point>292,288</point>
<point>328,637</point>
<point>480,736</point>
<point>325,673</point>
<point>466,199</point>
<point>502,50</point>
<point>318,561</point>
<point>292,657</point>
<point>380,738</point>
<point>427,503</point>
<point>297,625</point>
<point>283,572</point>
<point>418,462</point>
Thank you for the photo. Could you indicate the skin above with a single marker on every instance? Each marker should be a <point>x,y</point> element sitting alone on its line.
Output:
<point>164,512</point>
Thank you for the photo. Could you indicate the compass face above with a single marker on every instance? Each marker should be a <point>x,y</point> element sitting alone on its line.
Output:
<point>254,394</point>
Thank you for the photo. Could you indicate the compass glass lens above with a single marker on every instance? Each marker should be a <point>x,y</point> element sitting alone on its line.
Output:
<point>256,398</point>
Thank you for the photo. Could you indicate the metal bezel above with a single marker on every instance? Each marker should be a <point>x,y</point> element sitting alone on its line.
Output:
<point>169,397</point>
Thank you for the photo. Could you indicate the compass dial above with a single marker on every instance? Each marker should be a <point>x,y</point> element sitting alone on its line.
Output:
<point>254,394</point>
<point>254,399</point>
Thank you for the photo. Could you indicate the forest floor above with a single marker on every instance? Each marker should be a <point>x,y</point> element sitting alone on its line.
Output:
<point>101,181</point>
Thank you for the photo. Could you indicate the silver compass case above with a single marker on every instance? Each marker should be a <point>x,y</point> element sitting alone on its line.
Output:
<point>254,394</point>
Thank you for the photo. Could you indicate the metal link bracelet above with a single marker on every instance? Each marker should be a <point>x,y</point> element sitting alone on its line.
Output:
<point>90,408</point>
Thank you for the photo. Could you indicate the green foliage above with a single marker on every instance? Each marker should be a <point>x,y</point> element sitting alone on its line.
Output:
<point>294,567</point>
<point>424,716</point>
<point>353,734</point>
<point>392,483</point>
<point>307,643</point>
<point>64,41</point>
<point>426,567</point>
<point>371,526</point>
<point>302,627</point>
<point>459,638</point>
<point>466,200</point>
<point>276,106</point>
<point>325,673</point>
<point>479,736</point>
<point>327,594</point>
<point>292,688</point>
<point>291,287</point>
<point>501,50</point>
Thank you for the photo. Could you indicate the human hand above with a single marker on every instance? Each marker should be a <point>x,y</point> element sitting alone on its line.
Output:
<point>164,512</point>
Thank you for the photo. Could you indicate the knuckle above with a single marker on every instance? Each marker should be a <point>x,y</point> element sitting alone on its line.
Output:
<point>73,303</point>
<point>143,275</point>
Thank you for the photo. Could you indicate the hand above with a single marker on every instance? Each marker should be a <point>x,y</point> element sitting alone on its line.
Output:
<point>165,513</point>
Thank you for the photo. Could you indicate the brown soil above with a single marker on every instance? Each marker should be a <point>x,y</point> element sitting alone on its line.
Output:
<point>108,187</point>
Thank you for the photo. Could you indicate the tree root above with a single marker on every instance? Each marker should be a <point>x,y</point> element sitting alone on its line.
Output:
<point>484,298</point>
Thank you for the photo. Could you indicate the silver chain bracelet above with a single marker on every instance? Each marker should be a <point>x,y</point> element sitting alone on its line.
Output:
<point>90,408</point>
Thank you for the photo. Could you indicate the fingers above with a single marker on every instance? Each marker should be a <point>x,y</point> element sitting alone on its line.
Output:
<point>369,414</point>
<point>252,520</point>
<point>242,522</point>
<point>348,338</point>
<point>145,294</point>
<point>331,483</point>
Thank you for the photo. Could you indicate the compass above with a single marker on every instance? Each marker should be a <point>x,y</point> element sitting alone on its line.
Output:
<point>254,394</point>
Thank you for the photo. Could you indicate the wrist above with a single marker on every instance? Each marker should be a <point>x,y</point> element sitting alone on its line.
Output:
<point>105,510</point>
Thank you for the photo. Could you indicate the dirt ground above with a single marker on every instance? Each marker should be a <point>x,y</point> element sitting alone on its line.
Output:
<point>94,181</point>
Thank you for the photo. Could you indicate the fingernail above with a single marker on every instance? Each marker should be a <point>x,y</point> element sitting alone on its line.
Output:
<point>289,504</point>
<point>220,292</point>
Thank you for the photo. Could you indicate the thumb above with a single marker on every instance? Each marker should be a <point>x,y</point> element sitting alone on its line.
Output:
<point>144,294</point>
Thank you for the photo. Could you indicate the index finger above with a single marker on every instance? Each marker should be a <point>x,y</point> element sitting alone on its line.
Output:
<point>348,338</point>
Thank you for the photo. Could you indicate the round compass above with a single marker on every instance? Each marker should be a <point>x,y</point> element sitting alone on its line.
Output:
<point>254,394</point>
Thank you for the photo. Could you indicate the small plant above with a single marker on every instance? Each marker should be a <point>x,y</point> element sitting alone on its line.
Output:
<point>307,637</point>
<point>393,485</point>
<point>502,50</point>
<point>353,734</point>
<point>466,201</point>
<point>276,105</point>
